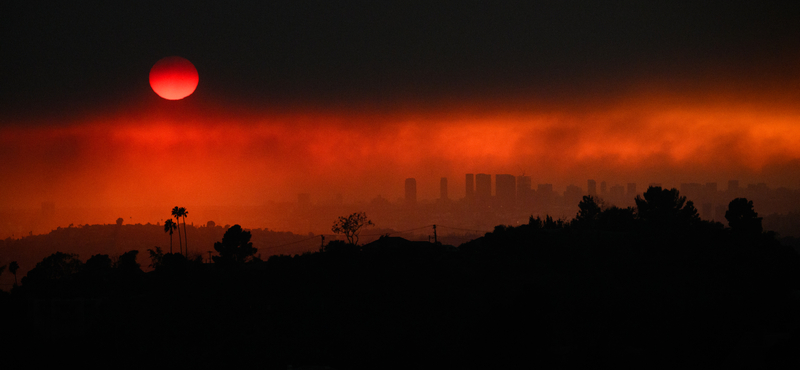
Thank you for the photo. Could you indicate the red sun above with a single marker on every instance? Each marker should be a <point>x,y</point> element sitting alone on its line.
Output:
<point>173,78</point>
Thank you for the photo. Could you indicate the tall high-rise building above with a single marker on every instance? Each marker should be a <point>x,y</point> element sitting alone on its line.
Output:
<point>733,186</point>
<point>470,186</point>
<point>603,188</point>
<point>505,189</point>
<point>544,189</point>
<point>592,185</point>
<point>524,191</point>
<point>411,191</point>
<point>483,186</point>
<point>691,190</point>
<point>545,195</point>
<point>631,189</point>
<point>573,195</point>
<point>617,192</point>
<point>443,188</point>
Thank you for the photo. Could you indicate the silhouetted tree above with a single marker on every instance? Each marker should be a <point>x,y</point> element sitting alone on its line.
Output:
<point>548,223</point>
<point>13,267</point>
<point>169,227</point>
<point>742,217</point>
<point>52,270</point>
<point>127,262</point>
<point>182,212</point>
<point>175,212</point>
<point>156,257</point>
<point>98,263</point>
<point>665,207</point>
<point>617,219</point>
<point>351,226</point>
<point>235,247</point>
<point>120,221</point>
<point>589,210</point>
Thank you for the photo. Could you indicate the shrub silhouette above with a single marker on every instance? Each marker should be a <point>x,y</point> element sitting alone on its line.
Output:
<point>742,218</point>
<point>235,247</point>
<point>351,226</point>
<point>664,207</point>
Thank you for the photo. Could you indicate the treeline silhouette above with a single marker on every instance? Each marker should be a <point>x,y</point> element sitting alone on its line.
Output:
<point>650,286</point>
<point>115,239</point>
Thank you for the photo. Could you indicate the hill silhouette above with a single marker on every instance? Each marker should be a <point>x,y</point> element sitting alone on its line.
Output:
<point>619,290</point>
<point>114,240</point>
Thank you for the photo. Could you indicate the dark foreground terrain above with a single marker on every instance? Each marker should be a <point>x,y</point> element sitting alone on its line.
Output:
<point>617,287</point>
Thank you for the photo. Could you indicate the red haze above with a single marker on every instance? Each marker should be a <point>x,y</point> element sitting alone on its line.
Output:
<point>215,157</point>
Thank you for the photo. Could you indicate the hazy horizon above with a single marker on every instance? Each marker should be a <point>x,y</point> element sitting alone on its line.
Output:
<point>351,99</point>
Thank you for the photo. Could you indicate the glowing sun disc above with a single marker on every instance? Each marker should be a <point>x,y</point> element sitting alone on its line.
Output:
<point>173,78</point>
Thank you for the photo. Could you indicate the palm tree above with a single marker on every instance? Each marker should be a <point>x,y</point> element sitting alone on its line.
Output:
<point>182,212</point>
<point>175,212</point>
<point>13,267</point>
<point>169,226</point>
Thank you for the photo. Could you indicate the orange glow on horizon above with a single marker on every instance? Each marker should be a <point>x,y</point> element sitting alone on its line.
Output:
<point>218,159</point>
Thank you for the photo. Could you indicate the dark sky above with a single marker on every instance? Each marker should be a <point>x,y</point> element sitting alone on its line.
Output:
<point>68,56</point>
<point>351,98</point>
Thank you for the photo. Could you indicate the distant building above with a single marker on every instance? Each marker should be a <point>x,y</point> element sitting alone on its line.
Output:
<point>544,189</point>
<point>719,213</point>
<point>524,191</point>
<point>506,189</point>
<point>692,191</point>
<point>470,186</point>
<point>617,192</point>
<point>631,189</point>
<point>483,186</point>
<point>443,188</point>
<point>733,186</point>
<point>603,188</point>
<point>573,195</point>
<point>707,211</point>
<point>411,191</point>
<point>592,186</point>
<point>545,195</point>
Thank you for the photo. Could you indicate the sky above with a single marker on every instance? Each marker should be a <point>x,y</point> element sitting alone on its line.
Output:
<point>351,98</point>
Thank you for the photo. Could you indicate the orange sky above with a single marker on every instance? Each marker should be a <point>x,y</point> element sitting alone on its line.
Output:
<point>209,155</point>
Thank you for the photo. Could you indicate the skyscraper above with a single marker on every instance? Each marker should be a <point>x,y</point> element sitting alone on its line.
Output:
<point>411,191</point>
<point>470,186</point>
<point>733,186</point>
<point>524,191</point>
<point>483,186</point>
<point>631,189</point>
<point>592,188</point>
<point>617,192</point>
<point>505,189</point>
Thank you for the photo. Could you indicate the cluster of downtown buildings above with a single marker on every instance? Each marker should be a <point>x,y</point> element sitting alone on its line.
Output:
<point>516,193</point>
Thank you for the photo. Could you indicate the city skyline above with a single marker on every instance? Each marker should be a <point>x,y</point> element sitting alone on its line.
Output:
<point>350,99</point>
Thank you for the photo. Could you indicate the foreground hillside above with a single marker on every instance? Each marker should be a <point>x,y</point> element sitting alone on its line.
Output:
<point>650,289</point>
<point>114,240</point>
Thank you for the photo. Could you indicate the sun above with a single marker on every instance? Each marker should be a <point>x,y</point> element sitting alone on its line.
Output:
<point>173,78</point>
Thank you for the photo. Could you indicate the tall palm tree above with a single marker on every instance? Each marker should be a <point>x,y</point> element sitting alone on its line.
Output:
<point>182,212</point>
<point>13,267</point>
<point>169,226</point>
<point>175,212</point>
